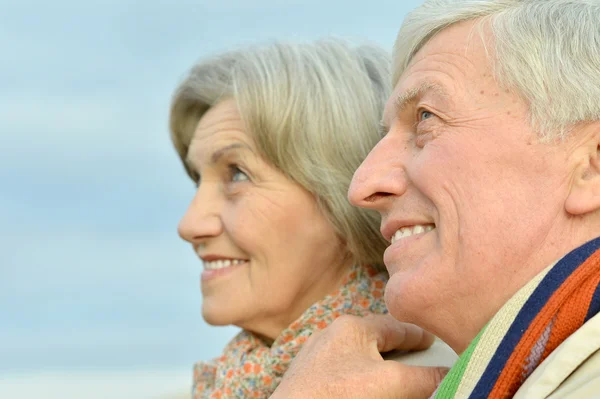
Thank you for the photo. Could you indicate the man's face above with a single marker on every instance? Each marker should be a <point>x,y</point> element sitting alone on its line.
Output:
<point>467,194</point>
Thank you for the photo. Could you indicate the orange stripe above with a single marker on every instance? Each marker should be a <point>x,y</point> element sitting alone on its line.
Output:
<point>510,378</point>
<point>571,315</point>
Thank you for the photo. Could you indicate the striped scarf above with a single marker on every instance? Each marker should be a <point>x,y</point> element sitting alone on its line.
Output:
<point>528,328</point>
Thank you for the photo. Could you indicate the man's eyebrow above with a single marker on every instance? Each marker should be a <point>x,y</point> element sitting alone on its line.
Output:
<point>411,95</point>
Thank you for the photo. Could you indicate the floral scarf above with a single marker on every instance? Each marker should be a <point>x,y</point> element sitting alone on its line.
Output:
<point>250,368</point>
<point>541,316</point>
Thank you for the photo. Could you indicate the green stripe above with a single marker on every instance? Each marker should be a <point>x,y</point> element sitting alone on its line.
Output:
<point>449,386</point>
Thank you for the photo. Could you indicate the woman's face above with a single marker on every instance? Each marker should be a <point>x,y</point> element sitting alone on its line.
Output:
<point>268,251</point>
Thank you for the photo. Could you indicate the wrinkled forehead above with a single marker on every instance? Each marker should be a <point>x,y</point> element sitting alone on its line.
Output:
<point>220,128</point>
<point>408,47</point>
<point>457,57</point>
<point>221,116</point>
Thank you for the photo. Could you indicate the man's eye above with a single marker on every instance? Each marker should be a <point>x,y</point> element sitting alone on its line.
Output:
<point>423,115</point>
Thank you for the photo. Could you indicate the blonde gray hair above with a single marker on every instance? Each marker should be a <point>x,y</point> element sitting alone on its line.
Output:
<point>313,110</point>
<point>547,51</point>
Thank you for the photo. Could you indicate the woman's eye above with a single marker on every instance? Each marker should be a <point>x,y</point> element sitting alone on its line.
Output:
<point>237,175</point>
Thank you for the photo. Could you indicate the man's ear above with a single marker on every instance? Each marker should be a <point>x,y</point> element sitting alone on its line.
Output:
<point>584,196</point>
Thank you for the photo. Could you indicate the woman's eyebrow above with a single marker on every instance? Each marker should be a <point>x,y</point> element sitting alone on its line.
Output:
<point>221,151</point>
<point>218,154</point>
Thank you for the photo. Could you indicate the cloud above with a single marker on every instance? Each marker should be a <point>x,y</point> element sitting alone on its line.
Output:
<point>91,270</point>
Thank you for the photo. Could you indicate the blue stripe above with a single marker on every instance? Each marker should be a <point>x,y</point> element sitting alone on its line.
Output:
<point>538,299</point>
<point>594,308</point>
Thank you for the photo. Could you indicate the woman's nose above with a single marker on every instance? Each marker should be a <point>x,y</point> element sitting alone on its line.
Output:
<point>202,219</point>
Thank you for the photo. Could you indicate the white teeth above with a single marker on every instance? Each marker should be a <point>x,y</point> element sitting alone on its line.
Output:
<point>220,264</point>
<point>411,230</point>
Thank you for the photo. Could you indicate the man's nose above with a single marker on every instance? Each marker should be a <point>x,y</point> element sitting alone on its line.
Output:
<point>380,177</point>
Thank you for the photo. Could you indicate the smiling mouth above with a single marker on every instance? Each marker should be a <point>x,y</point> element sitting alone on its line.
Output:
<point>221,264</point>
<point>410,231</point>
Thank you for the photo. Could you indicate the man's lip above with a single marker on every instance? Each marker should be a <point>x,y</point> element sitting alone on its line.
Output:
<point>388,229</point>
<point>395,255</point>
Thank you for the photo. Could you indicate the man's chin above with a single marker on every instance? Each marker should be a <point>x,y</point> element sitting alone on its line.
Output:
<point>406,298</point>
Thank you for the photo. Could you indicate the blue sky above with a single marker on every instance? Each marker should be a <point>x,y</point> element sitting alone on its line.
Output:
<point>92,273</point>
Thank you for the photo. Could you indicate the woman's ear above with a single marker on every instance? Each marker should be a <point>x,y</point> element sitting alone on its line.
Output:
<point>584,196</point>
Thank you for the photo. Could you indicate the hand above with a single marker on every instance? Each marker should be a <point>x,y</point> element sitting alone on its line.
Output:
<point>344,361</point>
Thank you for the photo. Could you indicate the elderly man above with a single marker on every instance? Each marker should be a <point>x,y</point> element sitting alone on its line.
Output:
<point>488,184</point>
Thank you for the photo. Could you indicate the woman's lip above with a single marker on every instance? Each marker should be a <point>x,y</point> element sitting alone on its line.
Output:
<point>210,274</point>
<point>212,258</point>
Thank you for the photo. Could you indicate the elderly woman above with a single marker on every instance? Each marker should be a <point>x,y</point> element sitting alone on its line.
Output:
<point>271,136</point>
<point>488,183</point>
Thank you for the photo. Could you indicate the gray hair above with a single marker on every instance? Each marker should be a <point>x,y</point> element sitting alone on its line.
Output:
<point>548,51</point>
<point>313,111</point>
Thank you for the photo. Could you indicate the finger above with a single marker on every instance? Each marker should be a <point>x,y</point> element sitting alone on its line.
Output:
<point>392,334</point>
<point>415,382</point>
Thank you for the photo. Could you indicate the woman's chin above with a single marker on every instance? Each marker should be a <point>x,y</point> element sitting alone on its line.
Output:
<point>217,323</point>
<point>216,316</point>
